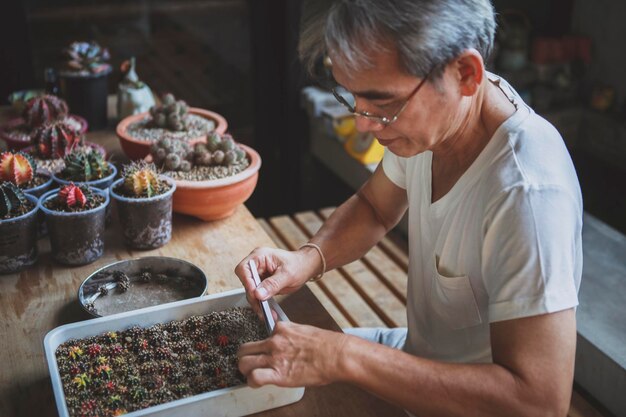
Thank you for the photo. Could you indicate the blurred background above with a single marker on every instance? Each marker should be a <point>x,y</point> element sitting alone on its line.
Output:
<point>238,58</point>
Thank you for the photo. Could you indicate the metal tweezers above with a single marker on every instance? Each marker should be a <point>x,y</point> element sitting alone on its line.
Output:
<point>265,307</point>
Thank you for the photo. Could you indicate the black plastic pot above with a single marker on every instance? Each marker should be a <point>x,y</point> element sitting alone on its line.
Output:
<point>76,238</point>
<point>18,241</point>
<point>86,96</point>
<point>146,222</point>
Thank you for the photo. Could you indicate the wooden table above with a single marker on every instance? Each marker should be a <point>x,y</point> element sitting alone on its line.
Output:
<point>43,297</point>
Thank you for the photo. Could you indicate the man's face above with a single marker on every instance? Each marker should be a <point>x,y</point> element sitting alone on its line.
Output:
<point>384,88</point>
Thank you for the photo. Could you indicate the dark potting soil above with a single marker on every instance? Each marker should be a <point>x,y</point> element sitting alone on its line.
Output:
<point>54,204</point>
<point>123,371</point>
<point>21,210</point>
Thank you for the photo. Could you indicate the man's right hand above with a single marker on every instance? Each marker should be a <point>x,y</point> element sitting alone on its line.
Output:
<point>281,272</point>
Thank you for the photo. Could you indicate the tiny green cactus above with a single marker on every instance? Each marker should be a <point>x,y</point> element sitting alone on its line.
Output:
<point>171,114</point>
<point>81,166</point>
<point>141,179</point>
<point>12,200</point>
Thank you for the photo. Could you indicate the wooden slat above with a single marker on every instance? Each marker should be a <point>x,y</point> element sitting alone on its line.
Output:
<point>335,285</point>
<point>389,272</point>
<point>315,288</point>
<point>380,299</point>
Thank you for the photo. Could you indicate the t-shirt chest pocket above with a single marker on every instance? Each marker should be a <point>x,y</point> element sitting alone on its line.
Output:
<point>452,299</point>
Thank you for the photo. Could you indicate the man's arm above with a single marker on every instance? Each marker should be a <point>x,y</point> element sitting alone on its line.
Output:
<point>531,374</point>
<point>356,226</point>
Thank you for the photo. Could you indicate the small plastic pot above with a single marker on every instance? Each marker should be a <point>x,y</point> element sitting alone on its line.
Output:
<point>37,192</point>
<point>146,222</point>
<point>103,183</point>
<point>18,240</point>
<point>86,95</point>
<point>76,238</point>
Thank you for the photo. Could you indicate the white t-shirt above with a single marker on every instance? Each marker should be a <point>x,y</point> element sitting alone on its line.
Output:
<point>503,243</point>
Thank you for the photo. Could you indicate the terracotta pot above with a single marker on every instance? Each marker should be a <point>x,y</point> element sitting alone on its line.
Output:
<point>217,199</point>
<point>138,149</point>
<point>18,240</point>
<point>76,238</point>
<point>146,222</point>
<point>16,144</point>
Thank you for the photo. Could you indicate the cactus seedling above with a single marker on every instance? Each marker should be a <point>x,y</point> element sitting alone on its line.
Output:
<point>55,140</point>
<point>17,168</point>
<point>83,166</point>
<point>142,180</point>
<point>44,110</point>
<point>13,201</point>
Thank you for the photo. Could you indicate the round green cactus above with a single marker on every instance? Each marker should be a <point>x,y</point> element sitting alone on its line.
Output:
<point>83,166</point>
<point>142,180</point>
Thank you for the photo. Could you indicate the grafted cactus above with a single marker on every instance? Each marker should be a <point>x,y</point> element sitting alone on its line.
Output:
<point>81,165</point>
<point>86,57</point>
<point>72,196</point>
<point>17,168</point>
<point>55,140</point>
<point>44,110</point>
<point>12,200</point>
<point>142,180</point>
<point>171,114</point>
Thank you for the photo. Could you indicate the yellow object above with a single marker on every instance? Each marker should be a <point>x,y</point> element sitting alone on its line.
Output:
<point>365,148</point>
<point>361,146</point>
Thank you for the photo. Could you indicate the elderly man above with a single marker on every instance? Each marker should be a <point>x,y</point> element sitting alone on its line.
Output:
<point>495,216</point>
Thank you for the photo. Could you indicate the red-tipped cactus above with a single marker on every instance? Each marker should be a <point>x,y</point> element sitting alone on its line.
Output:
<point>55,140</point>
<point>18,168</point>
<point>72,196</point>
<point>44,110</point>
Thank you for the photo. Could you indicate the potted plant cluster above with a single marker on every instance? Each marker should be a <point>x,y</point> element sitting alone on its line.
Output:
<point>144,203</point>
<point>83,81</point>
<point>173,118</point>
<point>20,169</point>
<point>18,228</point>
<point>86,166</point>
<point>75,216</point>
<point>39,111</point>
<point>212,178</point>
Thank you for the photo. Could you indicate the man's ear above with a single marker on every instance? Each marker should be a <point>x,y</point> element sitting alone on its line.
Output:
<point>470,69</point>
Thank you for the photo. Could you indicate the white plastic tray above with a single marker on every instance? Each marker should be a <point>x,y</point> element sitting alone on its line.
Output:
<point>232,402</point>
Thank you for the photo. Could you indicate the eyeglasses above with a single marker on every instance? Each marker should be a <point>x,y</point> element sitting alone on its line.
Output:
<point>348,100</point>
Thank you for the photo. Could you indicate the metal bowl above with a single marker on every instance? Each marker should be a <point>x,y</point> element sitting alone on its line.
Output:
<point>169,280</point>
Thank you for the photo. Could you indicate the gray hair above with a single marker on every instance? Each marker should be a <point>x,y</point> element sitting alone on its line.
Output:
<point>427,34</point>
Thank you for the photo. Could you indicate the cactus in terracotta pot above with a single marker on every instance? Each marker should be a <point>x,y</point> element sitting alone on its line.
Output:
<point>171,114</point>
<point>43,110</point>
<point>76,218</point>
<point>144,202</point>
<point>55,140</point>
<point>18,228</point>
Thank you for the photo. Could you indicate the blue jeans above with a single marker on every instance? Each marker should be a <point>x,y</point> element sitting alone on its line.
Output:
<point>394,338</point>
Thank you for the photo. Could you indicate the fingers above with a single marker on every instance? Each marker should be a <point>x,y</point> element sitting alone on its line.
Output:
<point>272,285</point>
<point>251,362</point>
<point>263,376</point>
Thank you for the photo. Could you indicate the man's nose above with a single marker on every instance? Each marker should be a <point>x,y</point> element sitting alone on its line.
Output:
<point>363,124</point>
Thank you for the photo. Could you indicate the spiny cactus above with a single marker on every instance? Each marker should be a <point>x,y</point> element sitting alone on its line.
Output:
<point>171,114</point>
<point>177,155</point>
<point>72,196</point>
<point>85,165</point>
<point>43,110</point>
<point>54,140</point>
<point>172,154</point>
<point>141,179</point>
<point>219,150</point>
<point>17,168</point>
<point>12,200</point>
<point>86,56</point>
